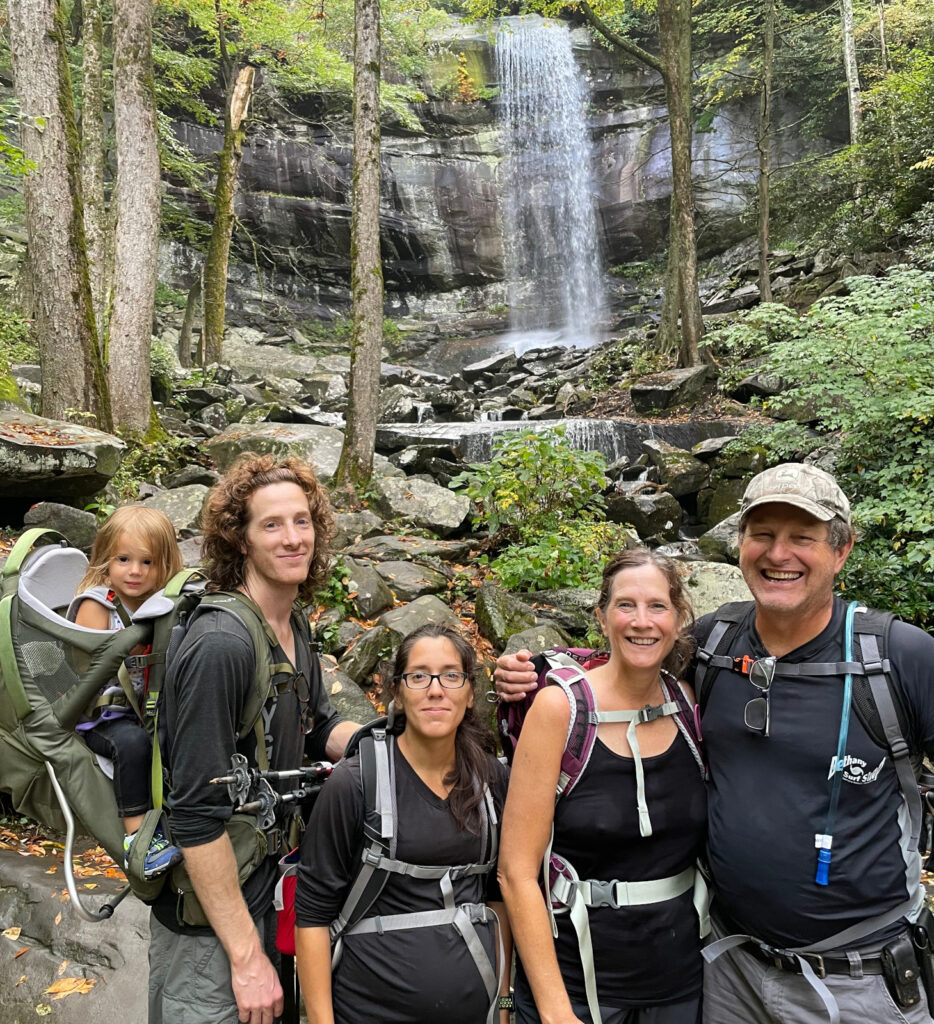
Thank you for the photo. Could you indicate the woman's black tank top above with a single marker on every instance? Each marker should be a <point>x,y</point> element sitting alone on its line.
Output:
<point>648,954</point>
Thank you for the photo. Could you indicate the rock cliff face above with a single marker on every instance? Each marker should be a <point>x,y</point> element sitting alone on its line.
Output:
<point>441,187</point>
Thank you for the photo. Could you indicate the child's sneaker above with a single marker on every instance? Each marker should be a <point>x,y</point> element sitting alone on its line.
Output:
<point>160,856</point>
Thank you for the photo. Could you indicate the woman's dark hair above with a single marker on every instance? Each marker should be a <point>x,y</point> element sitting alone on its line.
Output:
<point>680,654</point>
<point>474,745</point>
<point>225,518</point>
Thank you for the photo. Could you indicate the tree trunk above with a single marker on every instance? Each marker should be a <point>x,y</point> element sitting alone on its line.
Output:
<point>188,322</point>
<point>883,45</point>
<point>137,201</point>
<point>96,221</point>
<point>674,37</point>
<point>366,282</point>
<point>853,95</point>
<point>225,192</point>
<point>73,378</point>
<point>667,340</point>
<point>763,143</point>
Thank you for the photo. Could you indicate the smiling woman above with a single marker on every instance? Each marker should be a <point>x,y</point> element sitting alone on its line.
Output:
<point>636,811</point>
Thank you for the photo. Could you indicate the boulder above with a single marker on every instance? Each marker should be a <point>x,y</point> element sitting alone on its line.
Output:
<point>80,528</point>
<point>53,458</point>
<point>383,549</point>
<point>710,584</point>
<point>719,544</point>
<point>664,390</point>
<point>570,608</point>
<point>344,694</point>
<point>679,470</point>
<point>502,362</point>
<point>537,639</point>
<point>361,658</point>
<point>409,580</point>
<point>425,505</point>
<point>721,499</point>
<point>191,475</point>
<point>182,505</point>
<point>200,398</point>
<point>191,551</point>
<point>371,595</point>
<point>352,526</point>
<point>498,614</point>
<point>744,463</point>
<point>400,404</point>
<point>214,415</point>
<point>711,447</point>
<point>321,446</point>
<point>651,513</point>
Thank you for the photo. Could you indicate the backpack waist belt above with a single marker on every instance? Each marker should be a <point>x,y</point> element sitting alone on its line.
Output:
<point>473,912</point>
<point>616,894</point>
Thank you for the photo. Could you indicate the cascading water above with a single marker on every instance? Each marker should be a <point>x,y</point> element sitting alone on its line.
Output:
<point>552,260</point>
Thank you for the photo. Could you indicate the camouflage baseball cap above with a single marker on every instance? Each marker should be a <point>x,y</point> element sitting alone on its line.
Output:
<point>794,483</point>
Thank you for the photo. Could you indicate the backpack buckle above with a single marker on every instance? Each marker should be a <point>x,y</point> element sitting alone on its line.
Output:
<point>603,894</point>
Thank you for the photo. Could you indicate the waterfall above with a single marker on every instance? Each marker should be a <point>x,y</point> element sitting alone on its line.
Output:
<point>550,230</point>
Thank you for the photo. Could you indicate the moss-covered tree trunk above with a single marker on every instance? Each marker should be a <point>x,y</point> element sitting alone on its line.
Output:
<point>225,193</point>
<point>188,323</point>
<point>96,218</point>
<point>674,38</point>
<point>137,202</point>
<point>763,143</point>
<point>356,462</point>
<point>668,340</point>
<point>73,377</point>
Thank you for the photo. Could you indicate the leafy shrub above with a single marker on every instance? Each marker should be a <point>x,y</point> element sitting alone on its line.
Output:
<point>570,556</point>
<point>862,362</point>
<point>16,342</point>
<point>150,462</point>
<point>533,483</point>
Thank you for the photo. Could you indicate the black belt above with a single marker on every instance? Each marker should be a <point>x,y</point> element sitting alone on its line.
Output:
<point>821,964</point>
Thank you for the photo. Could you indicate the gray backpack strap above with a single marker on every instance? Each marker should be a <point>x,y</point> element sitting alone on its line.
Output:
<point>707,659</point>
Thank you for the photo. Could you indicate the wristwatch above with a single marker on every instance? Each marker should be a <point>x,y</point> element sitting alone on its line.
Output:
<point>506,1003</point>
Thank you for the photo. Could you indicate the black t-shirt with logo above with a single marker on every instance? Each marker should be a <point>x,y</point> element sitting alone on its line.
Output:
<point>210,680</point>
<point>769,796</point>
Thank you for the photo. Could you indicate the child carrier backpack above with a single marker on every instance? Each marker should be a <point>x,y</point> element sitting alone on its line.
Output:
<point>376,746</point>
<point>52,670</point>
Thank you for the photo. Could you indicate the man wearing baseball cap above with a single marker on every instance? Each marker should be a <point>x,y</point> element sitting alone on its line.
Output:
<point>810,710</point>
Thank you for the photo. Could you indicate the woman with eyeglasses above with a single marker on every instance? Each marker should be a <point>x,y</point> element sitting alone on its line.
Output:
<point>423,944</point>
<point>621,842</point>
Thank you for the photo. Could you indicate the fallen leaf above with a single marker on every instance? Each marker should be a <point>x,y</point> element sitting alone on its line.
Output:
<point>22,978</point>
<point>20,952</point>
<point>89,885</point>
<point>68,986</point>
<point>58,918</point>
<point>52,869</point>
<point>43,1009</point>
<point>11,933</point>
<point>62,967</point>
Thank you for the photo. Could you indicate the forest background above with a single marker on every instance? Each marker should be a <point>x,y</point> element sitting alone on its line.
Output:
<point>83,190</point>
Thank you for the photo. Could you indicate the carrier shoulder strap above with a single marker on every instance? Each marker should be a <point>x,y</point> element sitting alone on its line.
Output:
<point>726,620</point>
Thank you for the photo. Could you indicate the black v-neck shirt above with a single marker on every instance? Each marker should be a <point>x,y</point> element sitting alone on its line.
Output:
<point>414,976</point>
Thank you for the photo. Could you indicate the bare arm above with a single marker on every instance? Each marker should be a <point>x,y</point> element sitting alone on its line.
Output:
<point>92,615</point>
<point>313,960</point>
<point>338,738</point>
<point>213,871</point>
<point>514,675</point>
<point>527,822</point>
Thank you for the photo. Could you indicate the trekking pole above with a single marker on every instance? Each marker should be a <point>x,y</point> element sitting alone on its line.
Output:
<point>104,912</point>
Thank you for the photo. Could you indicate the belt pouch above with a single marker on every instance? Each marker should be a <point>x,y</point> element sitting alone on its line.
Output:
<point>900,970</point>
<point>923,934</point>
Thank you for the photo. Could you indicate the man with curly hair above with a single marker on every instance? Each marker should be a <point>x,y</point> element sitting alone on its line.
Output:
<point>266,525</point>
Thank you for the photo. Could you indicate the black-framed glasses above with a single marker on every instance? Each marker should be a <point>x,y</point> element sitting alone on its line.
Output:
<point>303,694</point>
<point>758,712</point>
<point>422,680</point>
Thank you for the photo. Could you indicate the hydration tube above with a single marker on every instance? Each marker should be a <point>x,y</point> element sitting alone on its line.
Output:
<point>825,842</point>
<point>104,912</point>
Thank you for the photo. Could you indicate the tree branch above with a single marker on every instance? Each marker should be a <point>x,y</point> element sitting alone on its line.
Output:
<point>619,41</point>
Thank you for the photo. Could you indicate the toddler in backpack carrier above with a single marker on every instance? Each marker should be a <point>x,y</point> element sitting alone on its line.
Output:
<point>134,555</point>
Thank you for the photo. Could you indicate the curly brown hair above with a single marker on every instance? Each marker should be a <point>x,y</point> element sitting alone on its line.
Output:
<point>225,518</point>
<point>680,654</point>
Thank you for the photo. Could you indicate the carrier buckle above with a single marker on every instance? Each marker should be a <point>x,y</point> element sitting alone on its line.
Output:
<point>603,894</point>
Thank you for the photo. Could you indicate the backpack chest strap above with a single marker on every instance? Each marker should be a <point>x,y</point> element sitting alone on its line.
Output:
<point>373,857</point>
<point>616,894</point>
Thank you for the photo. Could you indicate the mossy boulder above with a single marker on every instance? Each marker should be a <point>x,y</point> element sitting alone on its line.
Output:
<point>499,615</point>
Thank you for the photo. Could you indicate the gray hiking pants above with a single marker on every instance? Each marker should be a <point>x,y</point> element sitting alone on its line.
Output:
<point>741,989</point>
<point>189,975</point>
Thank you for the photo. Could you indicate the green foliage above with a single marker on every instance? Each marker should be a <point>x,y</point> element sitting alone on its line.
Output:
<point>149,462</point>
<point>534,483</point>
<point>572,555</point>
<point>16,341</point>
<point>862,362</point>
<point>335,596</point>
<point>168,296</point>
<point>628,359</point>
<point>102,509</point>
<point>920,235</point>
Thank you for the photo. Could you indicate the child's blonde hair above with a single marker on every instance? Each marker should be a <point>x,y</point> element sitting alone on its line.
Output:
<point>148,525</point>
